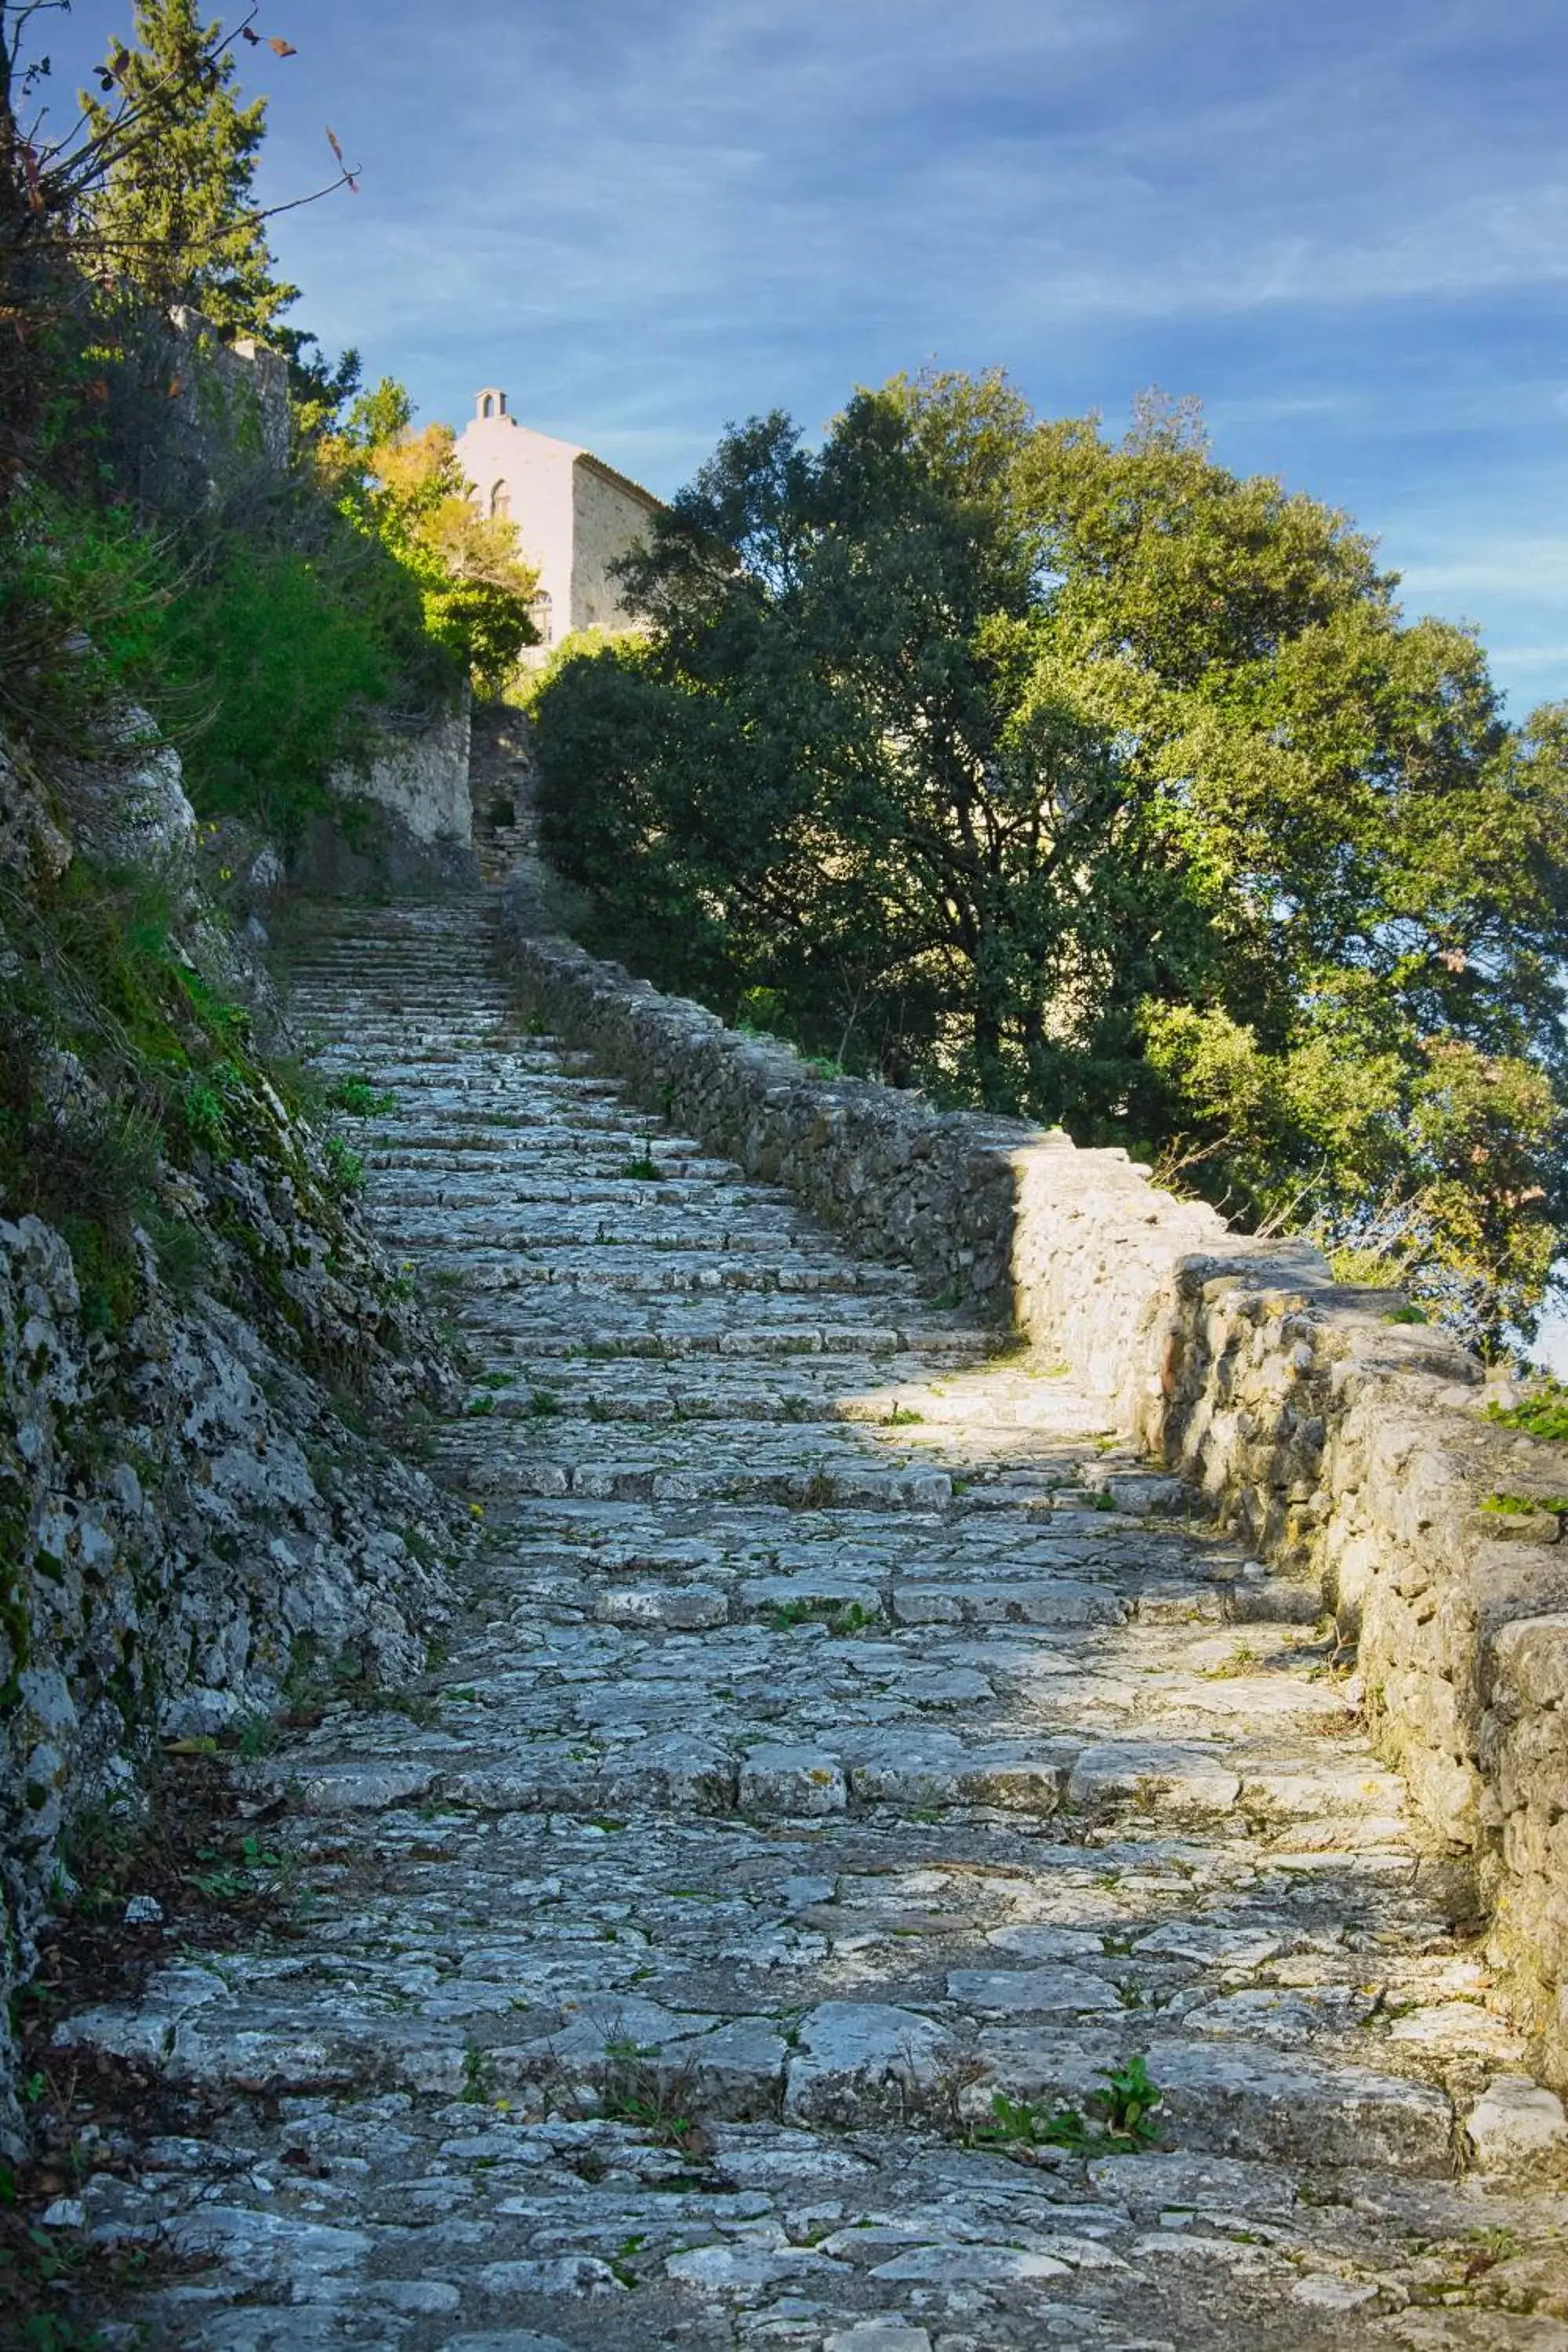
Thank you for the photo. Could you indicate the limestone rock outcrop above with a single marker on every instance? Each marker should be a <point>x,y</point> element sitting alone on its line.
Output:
<point>196,1350</point>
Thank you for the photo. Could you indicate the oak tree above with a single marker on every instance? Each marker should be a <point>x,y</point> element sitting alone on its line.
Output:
<point>1077,777</point>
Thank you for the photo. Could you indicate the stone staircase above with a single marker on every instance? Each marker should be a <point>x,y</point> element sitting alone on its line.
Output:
<point>848,1763</point>
<point>500,773</point>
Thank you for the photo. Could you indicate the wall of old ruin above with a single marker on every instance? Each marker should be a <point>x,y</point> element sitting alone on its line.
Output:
<point>1349,1447</point>
<point>405,819</point>
<point>193,420</point>
<point>419,776</point>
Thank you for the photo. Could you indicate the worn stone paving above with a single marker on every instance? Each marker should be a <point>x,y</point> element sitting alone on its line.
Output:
<point>848,1760</point>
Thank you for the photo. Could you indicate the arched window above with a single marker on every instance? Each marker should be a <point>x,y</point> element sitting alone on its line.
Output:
<point>541,611</point>
<point>501,500</point>
<point>487,405</point>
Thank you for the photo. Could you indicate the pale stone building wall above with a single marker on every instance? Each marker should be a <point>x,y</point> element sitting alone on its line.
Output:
<point>609,518</point>
<point>576,516</point>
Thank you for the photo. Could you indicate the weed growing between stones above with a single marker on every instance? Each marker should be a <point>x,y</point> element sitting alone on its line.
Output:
<point>361,1097</point>
<point>622,2260</point>
<point>1242,1660</point>
<point>1544,1413</point>
<point>479,2076</point>
<point>658,2100</point>
<point>1117,2121</point>
<point>315,1681</point>
<point>135,1892</point>
<point>345,1167</point>
<point>840,1617</point>
<point>55,2283</point>
<point>817,1491</point>
<point>243,1868</point>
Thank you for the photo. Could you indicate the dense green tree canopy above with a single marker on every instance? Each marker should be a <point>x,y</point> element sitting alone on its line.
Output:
<point>1078,777</point>
<point>176,219</point>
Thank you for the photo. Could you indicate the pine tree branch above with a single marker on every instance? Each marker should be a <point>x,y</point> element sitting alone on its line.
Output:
<point>133,113</point>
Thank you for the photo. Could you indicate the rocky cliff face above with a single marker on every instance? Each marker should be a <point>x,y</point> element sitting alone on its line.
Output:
<point>207,1388</point>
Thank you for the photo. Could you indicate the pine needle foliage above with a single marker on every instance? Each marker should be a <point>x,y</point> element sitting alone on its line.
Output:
<point>177,218</point>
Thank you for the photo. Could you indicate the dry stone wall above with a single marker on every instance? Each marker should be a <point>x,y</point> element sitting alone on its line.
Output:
<point>1349,1445</point>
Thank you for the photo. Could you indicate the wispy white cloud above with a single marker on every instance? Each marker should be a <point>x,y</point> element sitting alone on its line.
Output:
<point>1528,659</point>
<point>1020,163</point>
<point>1508,567</point>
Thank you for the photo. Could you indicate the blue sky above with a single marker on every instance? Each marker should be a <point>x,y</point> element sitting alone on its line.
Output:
<point>1343,225</point>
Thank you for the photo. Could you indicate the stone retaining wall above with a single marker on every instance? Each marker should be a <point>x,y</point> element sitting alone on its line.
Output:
<point>1349,1445</point>
<point>419,776</point>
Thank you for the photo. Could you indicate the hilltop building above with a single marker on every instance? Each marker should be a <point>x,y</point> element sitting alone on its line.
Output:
<point>574,516</point>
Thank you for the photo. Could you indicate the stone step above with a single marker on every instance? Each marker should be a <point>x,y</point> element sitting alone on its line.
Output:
<point>678,1226</point>
<point>881,1349</point>
<point>616,1127</point>
<point>723,1469</point>
<point>417,1067</point>
<point>441,1072</point>
<point>492,1182</point>
<point>846,1601</point>
<point>513,1147</point>
<point>844,2066</point>
<point>619,1392</point>
<point>624,1763</point>
<point>839,1388</point>
<point>441,974</point>
<point>437,948</point>
<point>608,1268</point>
<point>448,1005</point>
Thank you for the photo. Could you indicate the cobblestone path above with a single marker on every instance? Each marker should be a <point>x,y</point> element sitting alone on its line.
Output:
<point>841,1770</point>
